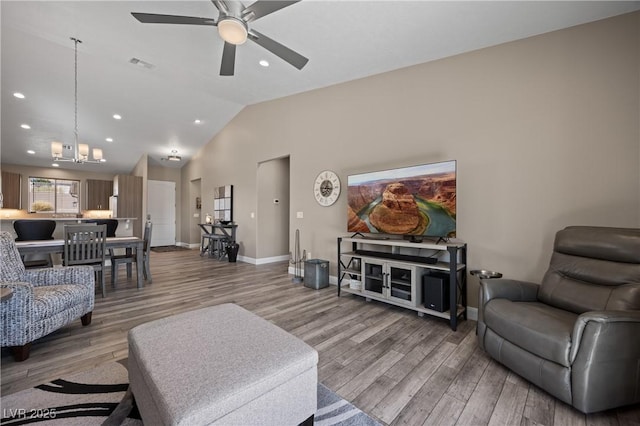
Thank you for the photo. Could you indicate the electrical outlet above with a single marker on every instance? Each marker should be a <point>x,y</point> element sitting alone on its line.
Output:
<point>300,215</point>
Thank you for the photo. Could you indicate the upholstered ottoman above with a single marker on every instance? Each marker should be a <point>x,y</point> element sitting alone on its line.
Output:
<point>221,365</point>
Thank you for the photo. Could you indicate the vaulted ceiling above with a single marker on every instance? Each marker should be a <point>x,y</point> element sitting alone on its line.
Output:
<point>159,103</point>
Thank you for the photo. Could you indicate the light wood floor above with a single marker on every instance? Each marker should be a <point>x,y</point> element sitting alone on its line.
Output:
<point>392,364</point>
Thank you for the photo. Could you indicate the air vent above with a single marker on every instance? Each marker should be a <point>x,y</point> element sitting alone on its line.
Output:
<point>141,63</point>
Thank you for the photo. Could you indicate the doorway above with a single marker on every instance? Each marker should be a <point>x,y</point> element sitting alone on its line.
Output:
<point>161,210</point>
<point>273,210</point>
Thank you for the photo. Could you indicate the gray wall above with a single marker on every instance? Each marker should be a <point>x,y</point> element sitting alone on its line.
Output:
<point>545,130</point>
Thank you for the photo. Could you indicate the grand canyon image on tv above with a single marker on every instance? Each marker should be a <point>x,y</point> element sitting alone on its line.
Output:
<point>417,200</point>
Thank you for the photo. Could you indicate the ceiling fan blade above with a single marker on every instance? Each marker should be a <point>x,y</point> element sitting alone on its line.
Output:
<point>263,8</point>
<point>153,18</point>
<point>294,58</point>
<point>228,59</point>
<point>221,6</point>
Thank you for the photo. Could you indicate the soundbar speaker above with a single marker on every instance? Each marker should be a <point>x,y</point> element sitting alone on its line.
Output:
<point>435,292</point>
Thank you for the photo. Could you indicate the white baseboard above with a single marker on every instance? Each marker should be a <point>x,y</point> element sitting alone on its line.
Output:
<point>292,271</point>
<point>472,313</point>
<point>187,245</point>
<point>263,260</point>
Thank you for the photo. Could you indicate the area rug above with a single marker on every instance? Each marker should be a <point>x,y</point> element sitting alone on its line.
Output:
<point>164,249</point>
<point>100,397</point>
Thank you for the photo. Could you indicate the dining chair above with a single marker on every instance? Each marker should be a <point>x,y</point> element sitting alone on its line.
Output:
<point>85,245</point>
<point>112,226</point>
<point>35,230</point>
<point>130,258</point>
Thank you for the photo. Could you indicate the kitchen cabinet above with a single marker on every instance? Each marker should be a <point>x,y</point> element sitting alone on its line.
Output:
<point>11,186</point>
<point>98,193</point>
<point>128,190</point>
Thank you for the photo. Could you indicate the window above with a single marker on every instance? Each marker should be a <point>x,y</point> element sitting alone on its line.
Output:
<point>53,195</point>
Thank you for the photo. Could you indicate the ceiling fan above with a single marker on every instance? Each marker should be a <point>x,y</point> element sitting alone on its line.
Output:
<point>233,26</point>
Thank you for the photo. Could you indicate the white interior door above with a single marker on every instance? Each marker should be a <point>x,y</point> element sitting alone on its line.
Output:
<point>161,207</point>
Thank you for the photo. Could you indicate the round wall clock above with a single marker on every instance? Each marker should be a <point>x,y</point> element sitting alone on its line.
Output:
<point>326,188</point>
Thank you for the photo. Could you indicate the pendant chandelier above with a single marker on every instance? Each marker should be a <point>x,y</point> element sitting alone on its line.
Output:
<point>81,150</point>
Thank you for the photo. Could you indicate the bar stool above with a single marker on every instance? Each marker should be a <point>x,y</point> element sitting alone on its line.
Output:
<point>112,225</point>
<point>215,244</point>
<point>35,230</point>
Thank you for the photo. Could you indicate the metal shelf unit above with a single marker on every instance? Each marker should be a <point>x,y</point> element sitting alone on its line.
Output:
<point>390,278</point>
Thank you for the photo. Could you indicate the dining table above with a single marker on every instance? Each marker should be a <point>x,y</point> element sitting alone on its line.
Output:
<point>57,246</point>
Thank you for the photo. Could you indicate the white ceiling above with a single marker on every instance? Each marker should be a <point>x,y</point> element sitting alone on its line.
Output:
<point>344,40</point>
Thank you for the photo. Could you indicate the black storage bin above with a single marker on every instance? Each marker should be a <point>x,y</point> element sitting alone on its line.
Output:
<point>316,273</point>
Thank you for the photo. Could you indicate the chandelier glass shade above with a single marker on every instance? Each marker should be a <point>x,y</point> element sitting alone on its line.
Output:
<point>80,150</point>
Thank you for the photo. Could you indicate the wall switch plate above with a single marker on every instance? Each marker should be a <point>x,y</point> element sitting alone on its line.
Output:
<point>300,215</point>
<point>253,215</point>
<point>196,215</point>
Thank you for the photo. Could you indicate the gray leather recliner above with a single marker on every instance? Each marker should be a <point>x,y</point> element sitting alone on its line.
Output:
<point>577,334</point>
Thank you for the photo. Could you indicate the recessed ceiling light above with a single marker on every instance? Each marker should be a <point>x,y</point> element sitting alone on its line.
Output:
<point>196,121</point>
<point>117,116</point>
<point>103,160</point>
<point>264,63</point>
<point>25,126</point>
<point>55,165</point>
<point>18,95</point>
<point>109,139</point>
<point>30,151</point>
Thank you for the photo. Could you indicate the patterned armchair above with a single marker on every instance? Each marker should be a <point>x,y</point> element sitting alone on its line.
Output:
<point>43,300</point>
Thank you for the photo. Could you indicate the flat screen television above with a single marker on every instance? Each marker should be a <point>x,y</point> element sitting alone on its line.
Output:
<point>413,201</point>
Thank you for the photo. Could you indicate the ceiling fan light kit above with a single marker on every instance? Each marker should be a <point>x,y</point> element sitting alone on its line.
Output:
<point>232,30</point>
<point>233,27</point>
